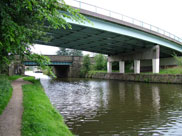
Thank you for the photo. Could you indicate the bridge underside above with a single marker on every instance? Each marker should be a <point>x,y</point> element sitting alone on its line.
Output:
<point>99,41</point>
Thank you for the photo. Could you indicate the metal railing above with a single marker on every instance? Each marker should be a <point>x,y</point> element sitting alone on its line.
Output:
<point>99,10</point>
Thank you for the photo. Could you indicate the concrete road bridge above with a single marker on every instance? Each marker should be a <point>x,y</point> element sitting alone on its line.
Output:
<point>120,37</point>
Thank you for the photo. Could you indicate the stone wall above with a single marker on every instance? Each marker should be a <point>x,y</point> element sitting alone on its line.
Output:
<point>74,70</point>
<point>154,78</point>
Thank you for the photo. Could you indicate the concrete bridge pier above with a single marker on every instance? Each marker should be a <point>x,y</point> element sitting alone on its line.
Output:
<point>109,67</point>
<point>121,66</point>
<point>156,59</point>
<point>152,53</point>
<point>136,66</point>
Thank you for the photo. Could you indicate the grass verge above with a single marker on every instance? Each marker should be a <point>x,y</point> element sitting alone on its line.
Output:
<point>174,70</point>
<point>14,77</point>
<point>5,92</point>
<point>40,118</point>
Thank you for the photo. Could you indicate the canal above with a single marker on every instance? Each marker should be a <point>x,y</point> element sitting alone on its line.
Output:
<point>114,108</point>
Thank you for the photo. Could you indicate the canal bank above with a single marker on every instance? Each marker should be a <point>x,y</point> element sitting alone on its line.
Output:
<point>40,118</point>
<point>150,78</point>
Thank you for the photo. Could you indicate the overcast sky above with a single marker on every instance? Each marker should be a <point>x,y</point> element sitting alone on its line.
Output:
<point>165,14</point>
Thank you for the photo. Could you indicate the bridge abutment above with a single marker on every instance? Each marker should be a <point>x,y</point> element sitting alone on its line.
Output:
<point>152,53</point>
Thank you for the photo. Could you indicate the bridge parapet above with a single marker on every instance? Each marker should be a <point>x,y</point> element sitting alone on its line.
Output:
<point>96,11</point>
<point>60,58</point>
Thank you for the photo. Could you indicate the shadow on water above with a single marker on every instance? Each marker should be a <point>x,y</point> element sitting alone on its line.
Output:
<point>108,107</point>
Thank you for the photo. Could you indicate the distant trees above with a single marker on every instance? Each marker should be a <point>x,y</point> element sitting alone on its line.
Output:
<point>86,66</point>
<point>69,52</point>
<point>100,62</point>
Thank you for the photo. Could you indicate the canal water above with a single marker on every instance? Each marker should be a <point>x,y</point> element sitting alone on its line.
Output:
<point>116,108</point>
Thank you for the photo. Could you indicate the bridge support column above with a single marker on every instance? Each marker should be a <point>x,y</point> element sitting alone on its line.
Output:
<point>109,67</point>
<point>136,66</point>
<point>155,65</point>
<point>155,60</point>
<point>121,67</point>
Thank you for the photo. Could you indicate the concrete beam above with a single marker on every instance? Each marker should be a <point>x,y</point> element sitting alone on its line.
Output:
<point>136,66</point>
<point>143,54</point>
<point>121,67</point>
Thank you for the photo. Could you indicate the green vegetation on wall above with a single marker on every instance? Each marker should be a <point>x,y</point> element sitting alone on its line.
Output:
<point>86,66</point>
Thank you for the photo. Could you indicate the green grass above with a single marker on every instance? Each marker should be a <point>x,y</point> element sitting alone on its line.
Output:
<point>175,70</point>
<point>14,77</point>
<point>93,72</point>
<point>30,79</point>
<point>40,118</point>
<point>5,92</point>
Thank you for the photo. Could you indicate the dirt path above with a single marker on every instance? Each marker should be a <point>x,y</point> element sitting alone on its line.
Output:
<point>10,120</point>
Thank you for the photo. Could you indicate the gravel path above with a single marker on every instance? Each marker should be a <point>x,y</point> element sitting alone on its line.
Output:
<point>10,120</point>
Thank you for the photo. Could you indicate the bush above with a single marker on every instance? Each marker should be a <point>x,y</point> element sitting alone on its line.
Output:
<point>85,66</point>
<point>100,62</point>
<point>178,60</point>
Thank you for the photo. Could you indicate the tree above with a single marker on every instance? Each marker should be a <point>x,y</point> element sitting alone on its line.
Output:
<point>177,59</point>
<point>100,62</point>
<point>63,52</point>
<point>85,66</point>
<point>22,22</point>
<point>69,52</point>
<point>76,52</point>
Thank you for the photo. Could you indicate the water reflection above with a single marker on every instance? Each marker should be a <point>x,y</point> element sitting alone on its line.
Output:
<point>137,95</point>
<point>103,107</point>
<point>156,99</point>
<point>122,92</point>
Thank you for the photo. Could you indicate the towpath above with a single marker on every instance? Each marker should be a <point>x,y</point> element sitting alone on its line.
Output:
<point>11,118</point>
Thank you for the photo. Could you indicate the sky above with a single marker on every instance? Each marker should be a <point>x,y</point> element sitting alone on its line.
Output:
<point>165,14</point>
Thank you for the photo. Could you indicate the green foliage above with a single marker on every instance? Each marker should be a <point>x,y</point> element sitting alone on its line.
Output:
<point>178,59</point>
<point>69,52</point>
<point>30,79</point>
<point>14,77</point>
<point>85,66</point>
<point>25,21</point>
<point>5,92</point>
<point>175,70</point>
<point>39,117</point>
<point>100,62</point>
<point>43,62</point>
